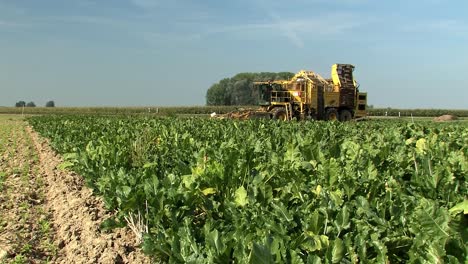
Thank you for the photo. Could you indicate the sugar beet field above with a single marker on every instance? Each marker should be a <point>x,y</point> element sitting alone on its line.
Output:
<point>196,190</point>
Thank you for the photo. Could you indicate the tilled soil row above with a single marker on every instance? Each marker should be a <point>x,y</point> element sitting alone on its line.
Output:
<point>47,215</point>
<point>25,227</point>
<point>77,214</point>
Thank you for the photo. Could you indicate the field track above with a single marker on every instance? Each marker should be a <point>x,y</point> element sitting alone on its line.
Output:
<point>46,214</point>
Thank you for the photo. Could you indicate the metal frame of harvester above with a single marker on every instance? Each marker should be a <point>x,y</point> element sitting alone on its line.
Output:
<point>309,96</point>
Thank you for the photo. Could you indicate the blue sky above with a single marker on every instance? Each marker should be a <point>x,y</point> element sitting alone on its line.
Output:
<point>409,54</point>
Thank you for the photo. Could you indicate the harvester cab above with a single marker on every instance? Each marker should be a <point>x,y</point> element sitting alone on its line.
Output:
<point>267,90</point>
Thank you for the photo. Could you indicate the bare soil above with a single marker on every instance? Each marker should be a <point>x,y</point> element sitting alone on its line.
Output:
<point>444,118</point>
<point>48,215</point>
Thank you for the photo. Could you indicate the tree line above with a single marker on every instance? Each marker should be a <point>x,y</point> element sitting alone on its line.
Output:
<point>32,104</point>
<point>239,90</point>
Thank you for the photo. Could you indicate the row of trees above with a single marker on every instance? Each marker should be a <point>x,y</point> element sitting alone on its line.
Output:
<point>238,90</point>
<point>32,104</point>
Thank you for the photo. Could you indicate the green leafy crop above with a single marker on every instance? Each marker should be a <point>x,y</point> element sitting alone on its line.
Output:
<point>224,191</point>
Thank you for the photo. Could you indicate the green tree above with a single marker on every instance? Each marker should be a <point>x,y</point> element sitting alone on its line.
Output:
<point>216,95</point>
<point>50,104</point>
<point>31,104</point>
<point>20,104</point>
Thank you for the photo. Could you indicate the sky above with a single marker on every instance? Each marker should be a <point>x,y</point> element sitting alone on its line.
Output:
<point>407,53</point>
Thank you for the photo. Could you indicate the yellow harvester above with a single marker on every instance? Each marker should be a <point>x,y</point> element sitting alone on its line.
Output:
<point>309,96</point>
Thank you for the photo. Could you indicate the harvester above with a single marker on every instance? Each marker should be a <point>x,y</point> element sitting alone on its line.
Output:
<point>307,95</point>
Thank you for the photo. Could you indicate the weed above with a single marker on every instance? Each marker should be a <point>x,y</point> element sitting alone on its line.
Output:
<point>2,180</point>
<point>26,248</point>
<point>45,226</point>
<point>20,259</point>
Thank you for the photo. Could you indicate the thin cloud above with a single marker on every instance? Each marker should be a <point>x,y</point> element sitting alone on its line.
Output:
<point>4,23</point>
<point>287,30</point>
<point>160,38</point>
<point>145,4</point>
<point>294,28</point>
<point>87,3</point>
<point>10,25</point>
<point>173,9</point>
<point>12,9</point>
<point>198,24</point>
<point>93,20</point>
<point>445,26</point>
<point>26,18</point>
<point>291,29</point>
<point>278,22</point>
<point>309,4</point>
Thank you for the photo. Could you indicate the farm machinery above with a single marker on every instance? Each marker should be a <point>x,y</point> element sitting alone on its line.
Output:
<point>307,95</point>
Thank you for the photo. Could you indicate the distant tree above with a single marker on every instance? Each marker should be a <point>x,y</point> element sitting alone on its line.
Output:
<point>50,104</point>
<point>216,95</point>
<point>239,90</point>
<point>20,104</point>
<point>31,104</point>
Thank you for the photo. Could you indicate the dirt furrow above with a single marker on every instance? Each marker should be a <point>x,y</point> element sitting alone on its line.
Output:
<point>25,230</point>
<point>76,215</point>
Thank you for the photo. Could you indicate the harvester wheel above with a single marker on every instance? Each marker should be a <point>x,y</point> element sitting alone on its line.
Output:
<point>279,113</point>
<point>345,115</point>
<point>331,114</point>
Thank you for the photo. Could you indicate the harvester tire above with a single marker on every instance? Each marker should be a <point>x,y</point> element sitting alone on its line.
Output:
<point>279,113</point>
<point>331,114</point>
<point>345,115</point>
